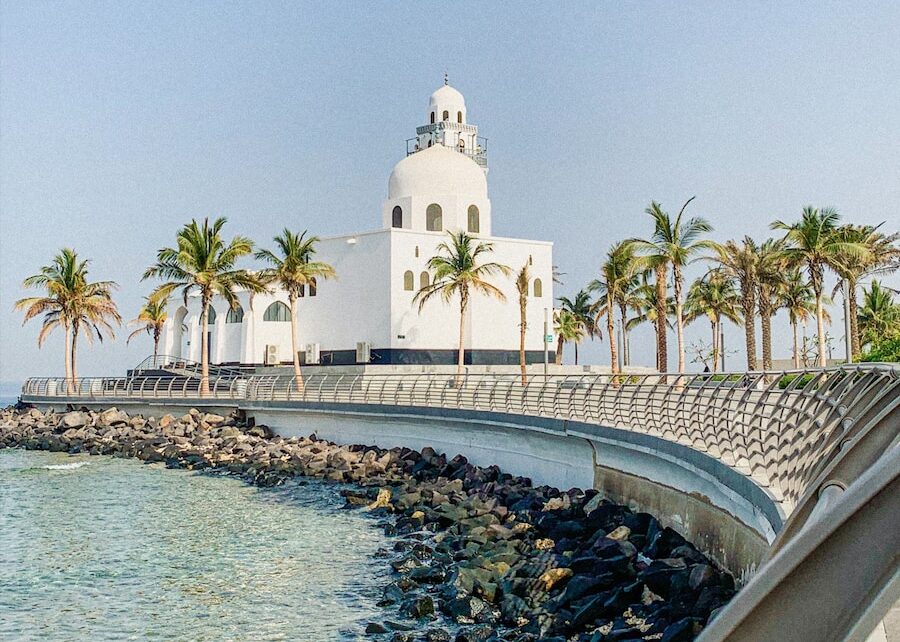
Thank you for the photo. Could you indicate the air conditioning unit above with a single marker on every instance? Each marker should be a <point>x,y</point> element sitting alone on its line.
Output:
<point>363,352</point>
<point>271,355</point>
<point>312,353</point>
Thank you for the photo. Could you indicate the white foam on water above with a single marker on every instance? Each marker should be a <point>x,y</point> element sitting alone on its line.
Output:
<point>71,466</point>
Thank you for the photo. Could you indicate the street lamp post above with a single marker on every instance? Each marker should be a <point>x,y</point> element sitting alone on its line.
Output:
<point>546,342</point>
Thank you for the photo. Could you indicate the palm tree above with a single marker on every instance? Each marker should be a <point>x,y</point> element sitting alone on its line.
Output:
<point>796,296</point>
<point>150,320</point>
<point>740,262</point>
<point>568,327</point>
<point>815,242</point>
<point>582,310</point>
<point>882,257</point>
<point>456,271</point>
<point>202,262</point>
<point>293,270</point>
<point>643,302</point>
<point>715,297</point>
<point>523,279</point>
<point>71,303</point>
<point>673,243</point>
<point>770,271</point>
<point>879,316</point>
<point>617,278</point>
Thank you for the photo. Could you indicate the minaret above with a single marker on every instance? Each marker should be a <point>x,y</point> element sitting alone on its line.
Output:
<point>447,126</point>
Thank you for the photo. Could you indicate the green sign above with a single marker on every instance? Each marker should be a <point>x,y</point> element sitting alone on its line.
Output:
<point>548,338</point>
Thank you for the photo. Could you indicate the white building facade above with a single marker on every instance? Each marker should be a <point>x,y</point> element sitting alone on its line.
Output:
<point>367,314</point>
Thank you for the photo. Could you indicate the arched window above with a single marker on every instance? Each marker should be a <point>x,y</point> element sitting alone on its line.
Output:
<point>474,219</point>
<point>235,315</point>
<point>278,311</point>
<point>397,217</point>
<point>434,218</point>
<point>432,118</point>
<point>429,142</point>
<point>211,316</point>
<point>446,115</point>
<point>424,280</point>
<point>408,281</point>
<point>302,291</point>
<point>313,287</point>
<point>459,117</point>
<point>538,288</point>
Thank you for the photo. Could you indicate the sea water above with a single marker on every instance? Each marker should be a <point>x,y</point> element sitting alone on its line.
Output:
<point>99,548</point>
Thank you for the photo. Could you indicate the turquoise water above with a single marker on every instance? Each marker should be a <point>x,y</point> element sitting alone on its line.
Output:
<point>97,548</point>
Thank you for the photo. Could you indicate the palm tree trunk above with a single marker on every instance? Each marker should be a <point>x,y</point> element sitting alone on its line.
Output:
<point>611,331</point>
<point>748,305</point>
<point>679,317</point>
<point>73,360</point>
<point>820,327</point>
<point>855,347</point>
<point>796,345</point>
<point>559,350</point>
<point>576,352</point>
<point>298,377</point>
<point>662,356</point>
<point>765,321</point>
<point>156,336</point>
<point>523,302</point>
<point>70,383</point>
<point>626,351</point>
<point>204,347</point>
<point>460,364</point>
<point>715,344</point>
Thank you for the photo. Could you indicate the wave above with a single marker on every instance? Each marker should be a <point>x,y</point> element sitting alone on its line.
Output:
<point>71,466</point>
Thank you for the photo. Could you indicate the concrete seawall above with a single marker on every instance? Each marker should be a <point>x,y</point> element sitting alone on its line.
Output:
<point>728,516</point>
<point>732,519</point>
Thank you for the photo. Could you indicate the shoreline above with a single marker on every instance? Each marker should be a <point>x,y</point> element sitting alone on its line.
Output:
<point>480,551</point>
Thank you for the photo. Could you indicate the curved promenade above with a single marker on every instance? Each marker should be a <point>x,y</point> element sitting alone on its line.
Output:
<point>754,467</point>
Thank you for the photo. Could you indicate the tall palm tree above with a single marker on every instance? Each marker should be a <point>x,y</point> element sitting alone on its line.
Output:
<point>582,310</point>
<point>523,280</point>
<point>740,261</point>
<point>714,296</point>
<point>150,320</point>
<point>643,302</point>
<point>293,270</point>
<point>879,316</point>
<point>796,296</point>
<point>72,303</point>
<point>814,241</point>
<point>883,257</point>
<point>201,261</point>
<point>568,327</point>
<point>770,274</point>
<point>673,243</point>
<point>457,271</point>
<point>617,278</point>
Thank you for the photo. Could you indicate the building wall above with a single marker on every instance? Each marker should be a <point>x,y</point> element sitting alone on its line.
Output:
<point>490,324</point>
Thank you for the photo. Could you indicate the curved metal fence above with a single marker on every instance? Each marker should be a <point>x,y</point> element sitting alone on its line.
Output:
<point>780,429</point>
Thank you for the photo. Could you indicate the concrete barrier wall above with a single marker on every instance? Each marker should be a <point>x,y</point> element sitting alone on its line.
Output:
<point>719,509</point>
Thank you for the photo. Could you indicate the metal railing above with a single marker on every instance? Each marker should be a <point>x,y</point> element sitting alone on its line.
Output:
<point>779,429</point>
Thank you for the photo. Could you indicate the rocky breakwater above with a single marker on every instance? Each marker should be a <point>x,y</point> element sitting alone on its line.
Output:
<point>478,554</point>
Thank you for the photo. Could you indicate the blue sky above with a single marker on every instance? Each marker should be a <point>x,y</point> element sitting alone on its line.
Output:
<point>119,122</point>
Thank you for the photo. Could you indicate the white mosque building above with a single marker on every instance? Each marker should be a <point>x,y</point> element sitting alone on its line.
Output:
<point>367,315</point>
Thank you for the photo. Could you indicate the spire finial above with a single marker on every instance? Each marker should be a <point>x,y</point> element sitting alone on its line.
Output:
<point>446,79</point>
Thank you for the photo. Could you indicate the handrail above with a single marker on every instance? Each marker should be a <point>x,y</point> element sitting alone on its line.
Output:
<point>775,427</point>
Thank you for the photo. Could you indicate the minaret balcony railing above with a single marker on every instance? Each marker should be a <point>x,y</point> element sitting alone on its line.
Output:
<point>477,154</point>
<point>446,125</point>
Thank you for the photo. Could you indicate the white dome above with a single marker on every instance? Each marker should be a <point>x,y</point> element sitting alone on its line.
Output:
<point>446,95</point>
<point>435,171</point>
